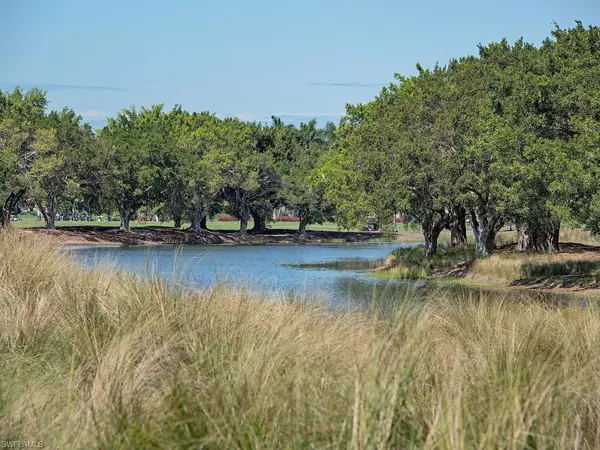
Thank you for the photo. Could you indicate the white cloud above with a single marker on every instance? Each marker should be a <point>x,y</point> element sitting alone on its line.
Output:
<point>93,114</point>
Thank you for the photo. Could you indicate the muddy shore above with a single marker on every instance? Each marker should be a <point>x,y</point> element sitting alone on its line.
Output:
<point>162,235</point>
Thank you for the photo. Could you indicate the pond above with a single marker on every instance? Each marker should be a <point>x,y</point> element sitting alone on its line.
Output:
<point>335,273</point>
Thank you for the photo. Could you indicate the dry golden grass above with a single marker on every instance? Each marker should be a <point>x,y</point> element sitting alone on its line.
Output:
<point>572,235</point>
<point>101,360</point>
<point>503,267</point>
<point>578,236</point>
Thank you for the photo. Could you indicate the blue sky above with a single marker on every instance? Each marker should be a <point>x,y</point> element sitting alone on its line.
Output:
<point>250,59</point>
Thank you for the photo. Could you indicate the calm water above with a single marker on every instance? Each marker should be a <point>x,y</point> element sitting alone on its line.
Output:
<point>333,272</point>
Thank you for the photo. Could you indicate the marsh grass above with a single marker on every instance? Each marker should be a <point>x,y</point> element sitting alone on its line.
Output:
<point>411,263</point>
<point>579,266</point>
<point>578,236</point>
<point>97,359</point>
<point>513,267</point>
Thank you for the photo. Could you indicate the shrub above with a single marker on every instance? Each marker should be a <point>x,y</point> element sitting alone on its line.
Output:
<point>227,218</point>
<point>288,219</point>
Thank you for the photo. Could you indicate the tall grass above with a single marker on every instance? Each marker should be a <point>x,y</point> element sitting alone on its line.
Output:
<point>508,267</point>
<point>579,236</point>
<point>411,263</point>
<point>102,360</point>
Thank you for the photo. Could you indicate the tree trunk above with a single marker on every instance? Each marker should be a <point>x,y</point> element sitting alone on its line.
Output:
<point>244,224</point>
<point>540,240</point>
<point>177,220</point>
<point>126,214</point>
<point>302,226</point>
<point>5,217</point>
<point>51,221</point>
<point>49,213</point>
<point>259,223</point>
<point>49,217</point>
<point>485,229</point>
<point>9,204</point>
<point>197,215</point>
<point>524,241</point>
<point>177,206</point>
<point>555,237</point>
<point>431,233</point>
<point>458,227</point>
<point>203,222</point>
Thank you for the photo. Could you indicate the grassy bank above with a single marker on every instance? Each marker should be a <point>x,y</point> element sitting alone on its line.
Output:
<point>575,267</point>
<point>101,360</point>
<point>410,263</point>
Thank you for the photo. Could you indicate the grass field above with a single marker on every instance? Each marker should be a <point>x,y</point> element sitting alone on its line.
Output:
<point>102,360</point>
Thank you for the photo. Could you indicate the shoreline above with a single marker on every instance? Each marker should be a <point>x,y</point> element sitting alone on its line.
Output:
<point>102,236</point>
<point>576,281</point>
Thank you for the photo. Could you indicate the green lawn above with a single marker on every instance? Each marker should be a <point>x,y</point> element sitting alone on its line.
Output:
<point>30,221</point>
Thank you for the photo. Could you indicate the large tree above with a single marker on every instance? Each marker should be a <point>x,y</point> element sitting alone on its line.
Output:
<point>236,168</point>
<point>21,116</point>
<point>197,135</point>
<point>396,154</point>
<point>128,157</point>
<point>297,153</point>
<point>573,60</point>
<point>53,174</point>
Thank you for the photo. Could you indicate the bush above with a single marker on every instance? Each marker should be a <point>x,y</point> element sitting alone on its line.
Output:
<point>411,262</point>
<point>288,219</point>
<point>226,218</point>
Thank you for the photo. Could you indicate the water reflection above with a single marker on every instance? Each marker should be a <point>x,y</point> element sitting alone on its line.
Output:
<point>333,273</point>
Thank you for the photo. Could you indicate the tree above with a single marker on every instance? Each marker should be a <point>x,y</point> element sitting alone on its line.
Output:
<point>53,174</point>
<point>297,153</point>
<point>20,117</point>
<point>239,171</point>
<point>357,172</point>
<point>397,155</point>
<point>197,135</point>
<point>573,60</point>
<point>233,168</point>
<point>128,157</point>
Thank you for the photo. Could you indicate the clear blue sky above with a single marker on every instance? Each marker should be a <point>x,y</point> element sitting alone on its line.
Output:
<point>250,59</point>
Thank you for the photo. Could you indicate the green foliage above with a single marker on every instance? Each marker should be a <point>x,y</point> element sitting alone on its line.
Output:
<point>129,159</point>
<point>411,263</point>
<point>297,152</point>
<point>53,175</point>
<point>21,115</point>
<point>511,136</point>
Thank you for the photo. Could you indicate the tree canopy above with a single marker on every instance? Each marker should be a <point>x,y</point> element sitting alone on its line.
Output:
<point>508,136</point>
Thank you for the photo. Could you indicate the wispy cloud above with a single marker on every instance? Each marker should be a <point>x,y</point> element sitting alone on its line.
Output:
<point>351,84</point>
<point>93,114</point>
<point>259,117</point>
<point>60,87</point>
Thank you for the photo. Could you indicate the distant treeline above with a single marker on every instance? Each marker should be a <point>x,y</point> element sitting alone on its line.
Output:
<point>187,166</point>
<point>509,136</point>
